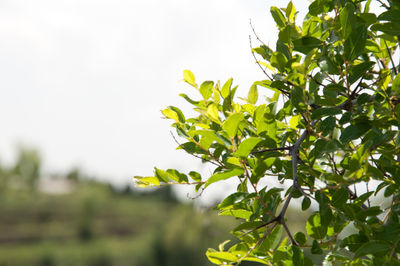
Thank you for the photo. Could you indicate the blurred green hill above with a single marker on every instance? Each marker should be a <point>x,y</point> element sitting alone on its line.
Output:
<point>73,220</point>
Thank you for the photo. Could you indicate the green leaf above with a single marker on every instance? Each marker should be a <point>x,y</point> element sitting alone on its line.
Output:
<point>253,94</point>
<point>298,256</point>
<point>300,238</point>
<point>298,98</point>
<point>247,146</point>
<point>195,176</point>
<point>224,175</point>
<point>238,213</point>
<point>340,197</point>
<point>220,257</point>
<point>354,242</point>
<point>188,99</point>
<point>306,44</point>
<point>354,45</point>
<point>264,51</point>
<point>392,15</point>
<point>305,204</point>
<point>328,65</point>
<point>231,124</point>
<point>347,19</point>
<point>278,17</point>
<point>328,125</point>
<point>373,247</point>
<point>319,6</point>
<point>175,175</point>
<point>321,112</point>
<point>390,28</point>
<point>396,85</point>
<point>206,89</point>
<point>357,71</point>
<point>315,249</point>
<point>168,113</point>
<point>279,61</point>
<point>207,137</point>
<point>314,227</point>
<point>148,181</point>
<point>161,175</point>
<point>290,12</point>
<point>354,132</point>
<point>212,111</point>
<point>272,240</point>
<point>294,121</point>
<point>226,89</point>
<point>189,78</point>
<point>232,199</point>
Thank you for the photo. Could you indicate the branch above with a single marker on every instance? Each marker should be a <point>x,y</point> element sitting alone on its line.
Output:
<point>255,58</point>
<point>390,56</point>
<point>272,149</point>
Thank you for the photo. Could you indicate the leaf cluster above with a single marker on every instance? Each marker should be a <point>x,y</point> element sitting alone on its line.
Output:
<point>331,126</point>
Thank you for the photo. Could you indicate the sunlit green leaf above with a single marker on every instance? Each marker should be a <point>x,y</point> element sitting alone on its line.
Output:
<point>314,227</point>
<point>189,78</point>
<point>306,44</point>
<point>224,175</point>
<point>231,124</point>
<point>212,111</point>
<point>253,94</point>
<point>278,60</point>
<point>347,19</point>
<point>278,17</point>
<point>247,146</point>
<point>206,89</point>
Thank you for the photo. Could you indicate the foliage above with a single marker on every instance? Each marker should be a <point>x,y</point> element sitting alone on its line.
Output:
<point>331,126</point>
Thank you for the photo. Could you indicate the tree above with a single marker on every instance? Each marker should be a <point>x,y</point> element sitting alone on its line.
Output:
<point>331,126</point>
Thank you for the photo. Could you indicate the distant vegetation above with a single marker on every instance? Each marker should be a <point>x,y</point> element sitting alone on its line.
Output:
<point>95,224</point>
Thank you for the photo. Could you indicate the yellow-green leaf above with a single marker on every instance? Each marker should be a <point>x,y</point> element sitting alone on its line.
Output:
<point>189,78</point>
<point>247,146</point>
<point>224,175</point>
<point>212,111</point>
<point>232,123</point>
<point>294,121</point>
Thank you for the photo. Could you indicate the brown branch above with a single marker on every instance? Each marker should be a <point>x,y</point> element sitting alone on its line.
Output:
<point>390,56</point>
<point>255,34</point>
<point>255,58</point>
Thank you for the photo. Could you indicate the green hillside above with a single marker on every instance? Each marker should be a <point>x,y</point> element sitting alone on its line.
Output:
<point>95,225</point>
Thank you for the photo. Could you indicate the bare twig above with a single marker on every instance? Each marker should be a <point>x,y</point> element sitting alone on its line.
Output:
<point>384,5</point>
<point>255,34</point>
<point>272,149</point>
<point>195,155</point>
<point>391,59</point>
<point>258,63</point>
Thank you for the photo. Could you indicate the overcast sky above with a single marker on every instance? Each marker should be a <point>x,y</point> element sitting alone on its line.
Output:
<point>84,81</point>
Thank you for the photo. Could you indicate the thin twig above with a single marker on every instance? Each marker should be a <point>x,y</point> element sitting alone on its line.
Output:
<point>255,34</point>
<point>390,56</point>
<point>272,149</point>
<point>266,233</point>
<point>384,5</point>
<point>255,58</point>
<point>195,155</point>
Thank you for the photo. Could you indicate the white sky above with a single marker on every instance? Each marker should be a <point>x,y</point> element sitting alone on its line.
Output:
<point>84,81</point>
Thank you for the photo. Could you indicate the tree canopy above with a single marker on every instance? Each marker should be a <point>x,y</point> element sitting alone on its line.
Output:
<point>330,127</point>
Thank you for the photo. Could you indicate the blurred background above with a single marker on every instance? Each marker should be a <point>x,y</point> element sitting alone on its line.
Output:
<point>82,83</point>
